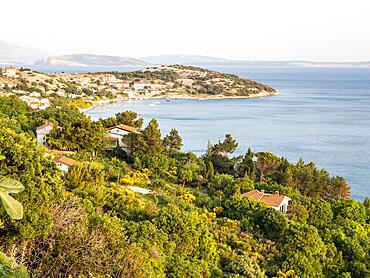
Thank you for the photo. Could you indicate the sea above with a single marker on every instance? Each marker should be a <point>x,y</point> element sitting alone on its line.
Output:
<point>321,115</point>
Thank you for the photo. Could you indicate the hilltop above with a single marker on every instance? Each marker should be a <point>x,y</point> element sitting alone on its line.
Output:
<point>189,81</point>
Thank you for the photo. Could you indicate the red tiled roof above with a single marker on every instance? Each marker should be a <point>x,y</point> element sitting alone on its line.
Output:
<point>65,160</point>
<point>125,127</point>
<point>273,200</point>
<point>44,126</point>
<point>122,82</point>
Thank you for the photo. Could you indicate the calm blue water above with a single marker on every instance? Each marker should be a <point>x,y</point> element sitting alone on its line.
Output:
<point>322,115</point>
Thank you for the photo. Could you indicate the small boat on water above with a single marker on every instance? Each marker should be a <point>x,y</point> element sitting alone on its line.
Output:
<point>154,103</point>
<point>168,99</point>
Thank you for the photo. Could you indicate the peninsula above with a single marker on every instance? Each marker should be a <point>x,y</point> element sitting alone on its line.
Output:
<point>88,90</point>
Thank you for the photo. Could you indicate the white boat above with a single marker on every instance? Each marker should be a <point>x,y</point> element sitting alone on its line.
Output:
<point>154,103</point>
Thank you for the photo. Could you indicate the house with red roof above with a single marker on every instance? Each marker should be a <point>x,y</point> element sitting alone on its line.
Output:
<point>121,84</point>
<point>275,200</point>
<point>64,162</point>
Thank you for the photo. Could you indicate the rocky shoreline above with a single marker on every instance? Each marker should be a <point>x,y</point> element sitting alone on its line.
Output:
<point>101,103</point>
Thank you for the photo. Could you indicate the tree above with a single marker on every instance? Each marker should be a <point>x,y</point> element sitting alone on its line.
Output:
<point>210,170</point>
<point>302,250</point>
<point>320,213</point>
<point>228,146</point>
<point>150,141</point>
<point>172,142</point>
<point>129,118</point>
<point>246,267</point>
<point>247,167</point>
<point>24,161</point>
<point>266,161</point>
<point>271,223</point>
<point>284,173</point>
<point>218,154</point>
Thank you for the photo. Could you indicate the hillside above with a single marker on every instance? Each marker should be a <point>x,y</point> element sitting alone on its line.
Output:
<point>89,60</point>
<point>194,81</point>
<point>89,89</point>
<point>147,209</point>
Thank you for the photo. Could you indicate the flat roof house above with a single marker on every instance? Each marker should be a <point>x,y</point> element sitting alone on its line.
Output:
<point>138,85</point>
<point>275,200</point>
<point>9,71</point>
<point>121,84</point>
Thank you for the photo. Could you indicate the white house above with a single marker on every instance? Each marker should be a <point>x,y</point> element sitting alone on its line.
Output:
<point>42,132</point>
<point>35,94</point>
<point>108,78</point>
<point>119,131</point>
<point>277,201</point>
<point>44,104</point>
<point>35,103</point>
<point>64,162</point>
<point>9,71</point>
<point>138,85</point>
<point>121,84</point>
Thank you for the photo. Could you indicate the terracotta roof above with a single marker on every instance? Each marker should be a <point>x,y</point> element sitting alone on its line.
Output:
<point>122,82</point>
<point>44,126</point>
<point>59,152</point>
<point>125,127</point>
<point>273,200</point>
<point>65,160</point>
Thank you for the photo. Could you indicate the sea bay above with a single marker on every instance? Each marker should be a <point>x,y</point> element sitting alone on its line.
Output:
<point>321,115</point>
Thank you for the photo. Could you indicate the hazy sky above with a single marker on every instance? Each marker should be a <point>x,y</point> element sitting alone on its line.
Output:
<point>318,30</point>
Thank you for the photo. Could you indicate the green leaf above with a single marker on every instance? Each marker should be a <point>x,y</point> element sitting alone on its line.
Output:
<point>12,206</point>
<point>10,185</point>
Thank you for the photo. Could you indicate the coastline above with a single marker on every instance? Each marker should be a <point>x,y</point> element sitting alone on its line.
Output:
<point>105,102</point>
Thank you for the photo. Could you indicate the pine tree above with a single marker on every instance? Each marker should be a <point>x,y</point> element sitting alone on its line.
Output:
<point>247,167</point>
<point>226,147</point>
<point>129,118</point>
<point>172,142</point>
<point>151,136</point>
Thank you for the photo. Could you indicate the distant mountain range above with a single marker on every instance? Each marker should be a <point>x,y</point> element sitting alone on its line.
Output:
<point>199,60</point>
<point>18,55</point>
<point>14,54</point>
<point>89,60</point>
<point>183,59</point>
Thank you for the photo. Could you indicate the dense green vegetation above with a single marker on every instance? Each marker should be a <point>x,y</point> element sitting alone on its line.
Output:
<point>196,223</point>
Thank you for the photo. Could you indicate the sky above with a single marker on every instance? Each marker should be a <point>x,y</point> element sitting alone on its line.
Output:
<point>313,30</point>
